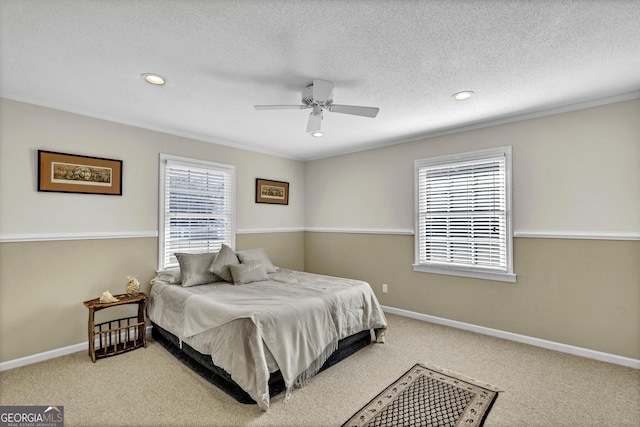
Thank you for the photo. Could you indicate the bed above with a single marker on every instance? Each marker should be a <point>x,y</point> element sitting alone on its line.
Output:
<point>255,330</point>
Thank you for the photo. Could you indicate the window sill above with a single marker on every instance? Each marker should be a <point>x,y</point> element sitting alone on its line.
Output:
<point>501,277</point>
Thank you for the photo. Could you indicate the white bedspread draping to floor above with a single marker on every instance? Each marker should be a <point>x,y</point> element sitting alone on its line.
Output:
<point>292,322</point>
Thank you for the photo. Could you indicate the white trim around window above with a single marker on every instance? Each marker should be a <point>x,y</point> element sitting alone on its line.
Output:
<point>196,207</point>
<point>463,221</point>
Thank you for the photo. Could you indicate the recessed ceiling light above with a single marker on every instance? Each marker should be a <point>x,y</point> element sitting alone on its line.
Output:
<point>317,134</point>
<point>154,79</point>
<point>461,96</point>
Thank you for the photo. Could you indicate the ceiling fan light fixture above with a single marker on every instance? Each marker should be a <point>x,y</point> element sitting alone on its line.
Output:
<point>154,79</point>
<point>462,95</point>
<point>319,97</point>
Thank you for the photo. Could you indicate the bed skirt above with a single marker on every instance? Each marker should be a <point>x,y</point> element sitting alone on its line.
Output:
<point>202,364</point>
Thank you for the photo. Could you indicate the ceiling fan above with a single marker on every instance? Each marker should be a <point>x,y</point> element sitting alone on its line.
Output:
<point>319,96</point>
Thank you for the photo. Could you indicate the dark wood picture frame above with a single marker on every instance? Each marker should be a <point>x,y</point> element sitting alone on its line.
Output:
<point>73,173</point>
<point>273,192</point>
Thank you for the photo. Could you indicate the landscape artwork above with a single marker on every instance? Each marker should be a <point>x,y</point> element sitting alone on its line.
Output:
<point>274,192</point>
<point>73,173</point>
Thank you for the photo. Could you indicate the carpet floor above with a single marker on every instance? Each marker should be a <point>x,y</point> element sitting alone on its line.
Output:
<point>149,387</point>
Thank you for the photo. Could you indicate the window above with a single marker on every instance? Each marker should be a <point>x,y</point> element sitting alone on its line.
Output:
<point>463,215</point>
<point>197,207</point>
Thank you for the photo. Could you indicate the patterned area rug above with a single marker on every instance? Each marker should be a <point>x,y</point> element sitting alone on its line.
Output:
<point>427,396</point>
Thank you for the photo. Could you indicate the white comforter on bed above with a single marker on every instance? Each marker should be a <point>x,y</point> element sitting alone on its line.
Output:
<point>291,322</point>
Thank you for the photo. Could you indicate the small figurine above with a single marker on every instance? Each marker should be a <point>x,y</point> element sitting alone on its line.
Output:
<point>107,297</point>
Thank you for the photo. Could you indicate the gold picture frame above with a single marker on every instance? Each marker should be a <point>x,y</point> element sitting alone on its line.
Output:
<point>273,192</point>
<point>73,173</point>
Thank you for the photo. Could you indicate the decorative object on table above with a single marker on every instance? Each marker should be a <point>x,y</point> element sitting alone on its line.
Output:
<point>133,286</point>
<point>428,396</point>
<point>71,173</point>
<point>275,192</point>
<point>107,298</point>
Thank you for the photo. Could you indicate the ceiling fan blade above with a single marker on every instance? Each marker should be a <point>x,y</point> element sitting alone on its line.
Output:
<point>354,110</point>
<point>322,90</point>
<point>280,107</point>
<point>315,121</point>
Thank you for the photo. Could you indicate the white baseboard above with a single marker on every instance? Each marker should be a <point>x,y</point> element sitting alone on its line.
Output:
<point>550,345</point>
<point>51,354</point>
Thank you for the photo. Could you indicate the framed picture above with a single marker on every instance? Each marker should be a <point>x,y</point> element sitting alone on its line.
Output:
<point>71,173</point>
<point>268,191</point>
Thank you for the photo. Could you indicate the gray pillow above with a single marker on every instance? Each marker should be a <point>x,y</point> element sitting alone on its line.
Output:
<point>220,265</point>
<point>249,272</point>
<point>258,254</point>
<point>194,268</point>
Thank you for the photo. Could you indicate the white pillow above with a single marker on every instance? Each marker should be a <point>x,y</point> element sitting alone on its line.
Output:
<point>171,276</point>
<point>220,265</point>
<point>258,254</point>
<point>248,272</point>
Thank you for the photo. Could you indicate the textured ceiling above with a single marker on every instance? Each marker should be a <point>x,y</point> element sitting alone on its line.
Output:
<point>521,58</point>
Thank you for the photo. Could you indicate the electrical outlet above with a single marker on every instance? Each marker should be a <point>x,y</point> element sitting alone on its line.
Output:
<point>385,288</point>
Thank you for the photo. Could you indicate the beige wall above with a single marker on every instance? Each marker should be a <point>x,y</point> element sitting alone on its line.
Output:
<point>285,249</point>
<point>25,211</point>
<point>51,259</point>
<point>574,171</point>
<point>43,284</point>
<point>584,293</point>
<point>574,174</point>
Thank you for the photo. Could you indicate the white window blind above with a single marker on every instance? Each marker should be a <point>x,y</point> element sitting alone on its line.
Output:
<point>463,208</point>
<point>197,207</point>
